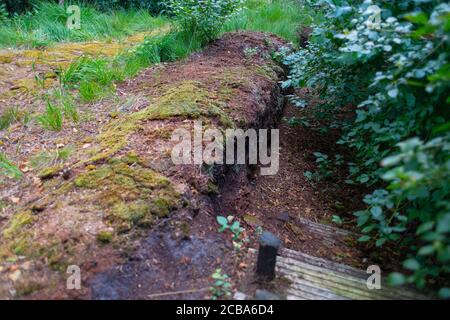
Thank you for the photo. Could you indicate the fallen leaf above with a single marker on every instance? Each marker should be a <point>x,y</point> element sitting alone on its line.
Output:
<point>15,200</point>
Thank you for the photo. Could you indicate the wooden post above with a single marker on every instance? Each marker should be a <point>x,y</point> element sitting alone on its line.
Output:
<point>267,255</point>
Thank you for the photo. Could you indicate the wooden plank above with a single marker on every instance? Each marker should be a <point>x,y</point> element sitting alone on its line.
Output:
<point>342,281</point>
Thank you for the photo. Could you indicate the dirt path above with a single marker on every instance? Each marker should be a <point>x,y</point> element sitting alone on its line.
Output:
<point>278,203</point>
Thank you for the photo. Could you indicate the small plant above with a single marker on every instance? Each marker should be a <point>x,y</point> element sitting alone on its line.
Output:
<point>52,118</point>
<point>90,91</point>
<point>337,220</point>
<point>8,168</point>
<point>221,286</point>
<point>235,227</point>
<point>8,117</point>
<point>324,165</point>
<point>70,111</point>
<point>40,80</point>
<point>298,121</point>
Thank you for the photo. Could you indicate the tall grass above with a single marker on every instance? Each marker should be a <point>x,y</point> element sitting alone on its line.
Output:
<point>8,117</point>
<point>47,25</point>
<point>52,118</point>
<point>94,77</point>
<point>281,17</point>
<point>8,168</point>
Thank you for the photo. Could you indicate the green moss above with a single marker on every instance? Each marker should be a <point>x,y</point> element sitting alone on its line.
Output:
<point>161,207</point>
<point>185,229</point>
<point>269,71</point>
<point>20,245</point>
<point>212,188</point>
<point>130,194</point>
<point>92,179</point>
<point>186,99</point>
<point>104,236</point>
<point>131,158</point>
<point>50,172</point>
<point>17,222</point>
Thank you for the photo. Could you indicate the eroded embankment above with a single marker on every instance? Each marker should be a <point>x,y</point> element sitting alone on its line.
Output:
<point>120,185</point>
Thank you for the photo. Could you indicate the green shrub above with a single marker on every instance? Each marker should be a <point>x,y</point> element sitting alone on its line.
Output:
<point>204,18</point>
<point>397,73</point>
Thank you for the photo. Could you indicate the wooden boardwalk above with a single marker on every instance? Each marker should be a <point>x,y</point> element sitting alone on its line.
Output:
<point>313,278</point>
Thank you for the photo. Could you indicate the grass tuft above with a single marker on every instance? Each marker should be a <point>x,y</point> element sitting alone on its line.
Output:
<point>52,118</point>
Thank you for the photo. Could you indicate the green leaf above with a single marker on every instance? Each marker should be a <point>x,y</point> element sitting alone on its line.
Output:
<point>411,264</point>
<point>396,279</point>
<point>376,212</point>
<point>426,250</point>
<point>424,227</point>
<point>444,293</point>
<point>380,242</point>
<point>336,219</point>
<point>222,221</point>
<point>417,18</point>
<point>364,238</point>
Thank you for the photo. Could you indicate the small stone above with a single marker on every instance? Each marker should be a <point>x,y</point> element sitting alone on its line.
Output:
<point>66,173</point>
<point>266,295</point>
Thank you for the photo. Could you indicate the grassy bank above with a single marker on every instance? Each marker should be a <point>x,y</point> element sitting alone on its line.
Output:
<point>47,25</point>
<point>282,18</point>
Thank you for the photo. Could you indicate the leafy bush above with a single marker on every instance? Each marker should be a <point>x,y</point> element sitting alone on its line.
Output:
<point>3,12</point>
<point>203,17</point>
<point>395,67</point>
<point>16,6</point>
